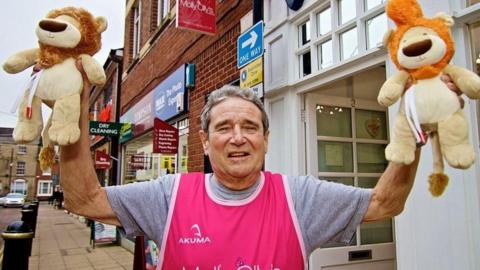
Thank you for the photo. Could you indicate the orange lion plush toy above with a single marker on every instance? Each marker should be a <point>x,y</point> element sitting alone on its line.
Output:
<point>422,48</point>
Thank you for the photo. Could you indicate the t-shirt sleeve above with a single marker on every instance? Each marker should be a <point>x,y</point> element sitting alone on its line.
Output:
<point>327,212</point>
<point>142,207</point>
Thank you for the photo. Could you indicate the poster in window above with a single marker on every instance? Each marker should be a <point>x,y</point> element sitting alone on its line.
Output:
<point>334,155</point>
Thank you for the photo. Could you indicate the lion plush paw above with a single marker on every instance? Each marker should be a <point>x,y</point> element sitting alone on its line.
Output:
<point>387,98</point>
<point>459,156</point>
<point>470,86</point>
<point>26,132</point>
<point>399,153</point>
<point>64,134</point>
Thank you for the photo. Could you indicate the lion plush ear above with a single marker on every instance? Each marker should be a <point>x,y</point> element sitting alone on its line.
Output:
<point>447,19</point>
<point>386,37</point>
<point>102,23</point>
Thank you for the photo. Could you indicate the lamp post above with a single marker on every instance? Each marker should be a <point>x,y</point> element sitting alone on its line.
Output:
<point>10,164</point>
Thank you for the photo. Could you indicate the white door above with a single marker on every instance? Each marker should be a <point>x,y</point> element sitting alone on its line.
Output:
<point>350,136</point>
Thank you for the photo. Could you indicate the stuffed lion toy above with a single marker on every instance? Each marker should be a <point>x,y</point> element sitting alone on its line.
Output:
<point>422,48</point>
<point>64,36</point>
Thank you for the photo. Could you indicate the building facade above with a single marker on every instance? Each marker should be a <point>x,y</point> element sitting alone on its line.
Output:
<point>324,66</point>
<point>18,165</point>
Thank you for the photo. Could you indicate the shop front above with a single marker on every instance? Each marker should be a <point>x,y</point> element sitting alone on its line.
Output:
<point>142,160</point>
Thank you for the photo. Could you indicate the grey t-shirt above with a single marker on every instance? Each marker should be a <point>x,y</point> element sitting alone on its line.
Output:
<point>327,212</point>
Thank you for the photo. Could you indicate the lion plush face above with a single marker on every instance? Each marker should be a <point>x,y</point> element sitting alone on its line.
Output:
<point>420,46</point>
<point>68,32</point>
<point>62,32</point>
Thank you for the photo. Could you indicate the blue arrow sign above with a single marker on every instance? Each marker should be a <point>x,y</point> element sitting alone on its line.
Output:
<point>250,45</point>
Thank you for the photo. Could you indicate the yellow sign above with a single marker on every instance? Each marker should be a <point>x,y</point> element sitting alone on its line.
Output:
<point>252,74</point>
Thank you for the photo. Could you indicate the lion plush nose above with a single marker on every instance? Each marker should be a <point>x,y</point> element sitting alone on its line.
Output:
<point>417,48</point>
<point>52,26</point>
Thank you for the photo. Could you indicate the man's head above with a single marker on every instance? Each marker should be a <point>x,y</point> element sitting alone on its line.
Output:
<point>235,135</point>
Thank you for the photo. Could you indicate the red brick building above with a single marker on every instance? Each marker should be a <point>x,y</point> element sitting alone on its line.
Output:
<point>154,51</point>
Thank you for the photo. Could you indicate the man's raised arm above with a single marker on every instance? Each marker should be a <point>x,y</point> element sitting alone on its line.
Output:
<point>391,192</point>
<point>82,192</point>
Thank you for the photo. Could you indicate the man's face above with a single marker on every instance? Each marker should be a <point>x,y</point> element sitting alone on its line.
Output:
<point>236,143</point>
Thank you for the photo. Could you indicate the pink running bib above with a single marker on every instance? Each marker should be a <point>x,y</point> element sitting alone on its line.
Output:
<point>260,232</point>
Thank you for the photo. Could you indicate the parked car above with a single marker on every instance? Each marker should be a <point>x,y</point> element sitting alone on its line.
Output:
<point>2,200</point>
<point>14,199</point>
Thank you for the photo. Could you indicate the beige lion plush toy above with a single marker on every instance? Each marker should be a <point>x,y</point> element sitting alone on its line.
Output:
<point>421,48</point>
<point>64,36</point>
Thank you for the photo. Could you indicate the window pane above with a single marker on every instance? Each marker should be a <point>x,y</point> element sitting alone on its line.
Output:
<point>373,3</point>
<point>376,232</point>
<point>304,33</point>
<point>371,158</point>
<point>334,121</point>
<point>335,156</point>
<point>376,27</point>
<point>348,41</point>
<point>371,124</point>
<point>305,64</point>
<point>324,22</point>
<point>325,54</point>
<point>347,10</point>
<point>341,180</point>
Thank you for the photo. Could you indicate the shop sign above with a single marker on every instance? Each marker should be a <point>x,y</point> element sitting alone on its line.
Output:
<point>102,160</point>
<point>170,97</point>
<point>197,15</point>
<point>252,74</point>
<point>165,138</point>
<point>138,161</point>
<point>105,128</point>
<point>126,132</point>
<point>140,117</point>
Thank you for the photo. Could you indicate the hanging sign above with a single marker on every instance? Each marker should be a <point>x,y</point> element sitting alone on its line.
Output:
<point>197,15</point>
<point>105,128</point>
<point>102,160</point>
<point>165,138</point>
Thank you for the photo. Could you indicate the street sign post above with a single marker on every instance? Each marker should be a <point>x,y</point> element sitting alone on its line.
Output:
<point>250,45</point>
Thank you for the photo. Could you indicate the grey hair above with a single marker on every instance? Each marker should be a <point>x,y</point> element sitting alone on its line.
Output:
<point>229,91</point>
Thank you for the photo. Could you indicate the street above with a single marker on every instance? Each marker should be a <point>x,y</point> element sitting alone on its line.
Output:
<point>7,215</point>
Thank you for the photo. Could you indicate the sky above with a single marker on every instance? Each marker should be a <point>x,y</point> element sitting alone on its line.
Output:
<point>18,20</point>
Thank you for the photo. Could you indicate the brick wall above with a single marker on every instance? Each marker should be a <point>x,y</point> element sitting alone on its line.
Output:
<point>214,57</point>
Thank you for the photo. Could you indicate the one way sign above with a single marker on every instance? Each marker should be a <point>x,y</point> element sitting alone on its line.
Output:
<point>250,45</point>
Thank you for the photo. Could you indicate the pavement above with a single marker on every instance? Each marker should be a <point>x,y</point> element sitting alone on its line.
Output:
<point>62,241</point>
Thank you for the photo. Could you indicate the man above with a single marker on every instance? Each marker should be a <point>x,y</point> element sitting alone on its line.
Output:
<point>239,217</point>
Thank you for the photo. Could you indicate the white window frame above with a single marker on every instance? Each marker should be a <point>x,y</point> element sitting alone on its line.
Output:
<point>49,187</point>
<point>359,22</point>
<point>18,182</point>
<point>137,25</point>
<point>163,8</point>
<point>21,167</point>
<point>21,149</point>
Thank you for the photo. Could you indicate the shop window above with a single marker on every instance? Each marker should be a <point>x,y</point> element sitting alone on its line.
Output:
<point>20,168</point>
<point>45,188</point>
<point>376,27</point>
<point>22,149</point>
<point>350,146</point>
<point>324,21</point>
<point>349,44</point>
<point>347,10</point>
<point>137,24</point>
<point>325,54</point>
<point>369,4</point>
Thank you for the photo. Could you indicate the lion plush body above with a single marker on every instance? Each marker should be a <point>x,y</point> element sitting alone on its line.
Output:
<point>64,36</point>
<point>422,48</point>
